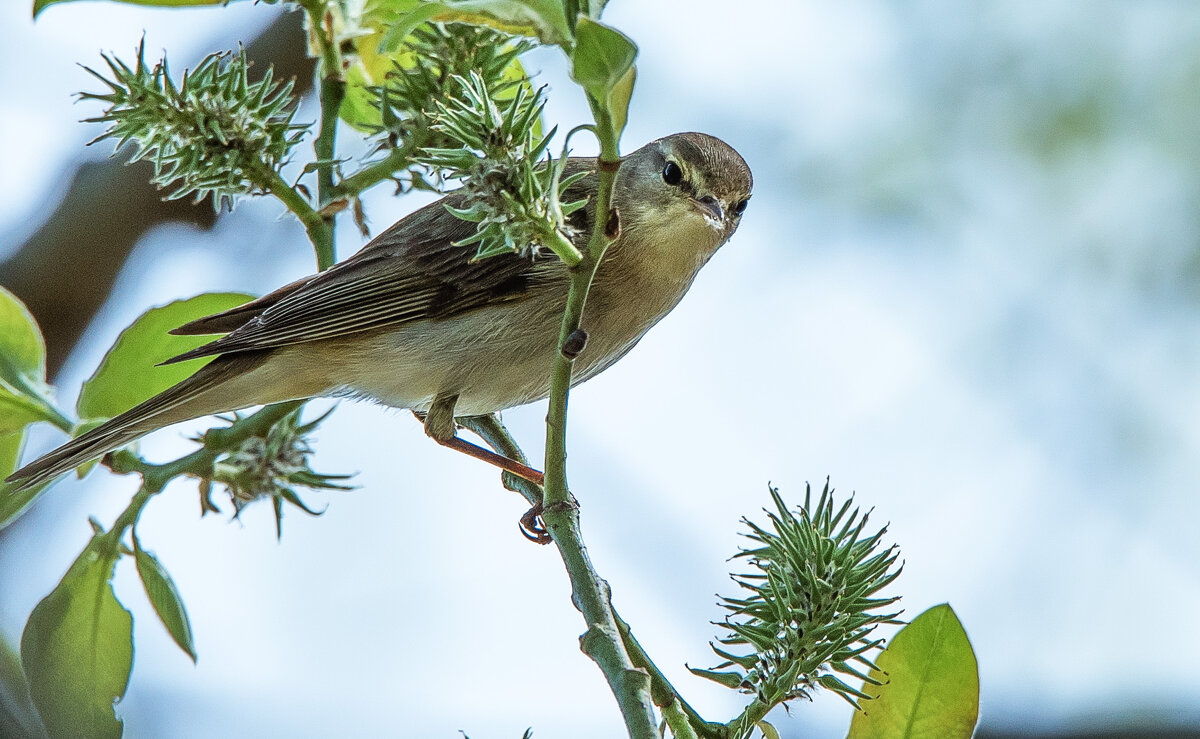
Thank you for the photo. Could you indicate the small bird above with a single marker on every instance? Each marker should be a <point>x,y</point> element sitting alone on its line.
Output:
<point>412,321</point>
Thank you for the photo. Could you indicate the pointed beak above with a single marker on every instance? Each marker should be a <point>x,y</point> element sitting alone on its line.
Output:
<point>712,207</point>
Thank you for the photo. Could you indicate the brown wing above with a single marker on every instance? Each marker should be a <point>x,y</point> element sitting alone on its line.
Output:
<point>232,319</point>
<point>410,272</point>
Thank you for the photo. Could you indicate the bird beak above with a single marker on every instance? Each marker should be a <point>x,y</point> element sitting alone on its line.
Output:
<point>711,207</point>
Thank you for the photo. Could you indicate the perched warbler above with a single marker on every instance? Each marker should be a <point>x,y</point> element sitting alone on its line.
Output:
<point>411,321</point>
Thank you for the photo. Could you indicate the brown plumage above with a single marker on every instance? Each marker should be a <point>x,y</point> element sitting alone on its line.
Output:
<point>412,322</point>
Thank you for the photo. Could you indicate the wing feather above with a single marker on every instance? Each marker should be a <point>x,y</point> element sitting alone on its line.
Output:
<point>411,272</point>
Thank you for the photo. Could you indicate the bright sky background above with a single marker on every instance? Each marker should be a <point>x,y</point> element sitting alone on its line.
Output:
<point>966,289</point>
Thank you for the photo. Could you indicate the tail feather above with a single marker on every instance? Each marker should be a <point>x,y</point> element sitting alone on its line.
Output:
<point>186,400</point>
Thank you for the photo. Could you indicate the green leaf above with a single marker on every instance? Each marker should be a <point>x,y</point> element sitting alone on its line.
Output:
<point>11,444</point>
<point>732,680</point>
<point>22,349</point>
<point>77,649</point>
<point>931,683</point>
<point>618,101</point>
<point>40,5</point>
<point>128,374</point>
<point>540,19</point>
<point>160,588</point>
<point>12,505</point>
<point>24,396</point>
<point>411,16</point>
<point>602,57</point>
<point>18,410</point>
<point>768,730</point>
<point>602,63</point>
<point>18,717</point>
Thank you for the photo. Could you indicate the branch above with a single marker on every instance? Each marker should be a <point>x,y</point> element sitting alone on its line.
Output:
<point>630,684</point>
<point>662,691</point>
<point>319,231</point>
<point>199,463</point>
<point>492,430</point>
<point>332,92</point>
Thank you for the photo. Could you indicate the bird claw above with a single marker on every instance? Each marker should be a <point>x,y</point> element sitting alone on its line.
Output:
<point>532,526</point>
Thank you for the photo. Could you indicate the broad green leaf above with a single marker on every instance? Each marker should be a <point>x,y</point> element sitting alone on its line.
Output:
<point>22,349</point>
<point>77,650</point>
<point>160,588</point>
<point>18,410</point>
<point>12,505</point>
<point>540,19</point>
<point>24,396</point>
<point>128,374</point>
<point>11,444</point>
<point>602,57</point>
<point>930,683</point>
<point>18,717</point>
<point>40,5</point>
<point>602,63</point>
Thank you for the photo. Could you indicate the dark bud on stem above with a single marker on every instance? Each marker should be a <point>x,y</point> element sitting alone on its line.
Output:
<point>575,343</point>
<point>612,227</point>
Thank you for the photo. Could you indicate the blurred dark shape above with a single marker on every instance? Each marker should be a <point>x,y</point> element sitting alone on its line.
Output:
<point>65,270</point>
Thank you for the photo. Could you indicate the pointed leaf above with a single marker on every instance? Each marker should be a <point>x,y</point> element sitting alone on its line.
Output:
<point>40,5</point>
<point>164,596</point>
<point>18,410</point>
<point>602,57</point>
<point>931,683</point>
<point>18,717</point>
<point>768,731</point>
<point>13,504</point>
<point>540,19</point>
<point>728,679</point>
<point>24,396</point>
<point>10,451</point>
<point>22,350</point>
<point>602,63</point>
<point>128,374</point>
<point>77,650</point>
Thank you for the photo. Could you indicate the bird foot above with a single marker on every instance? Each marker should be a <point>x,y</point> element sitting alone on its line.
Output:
<point>532,526</point>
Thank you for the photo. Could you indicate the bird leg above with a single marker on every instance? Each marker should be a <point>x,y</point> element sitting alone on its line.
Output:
<point>440,426</point>
<point>439,419</point>
<point>487,455</point>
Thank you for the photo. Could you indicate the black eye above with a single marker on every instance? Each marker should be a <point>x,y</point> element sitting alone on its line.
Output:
<point>740,207</point>
<point>672,174</point>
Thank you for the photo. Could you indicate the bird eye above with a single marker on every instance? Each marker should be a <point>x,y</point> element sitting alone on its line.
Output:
<point>672,174</point>
<point>740,207</point>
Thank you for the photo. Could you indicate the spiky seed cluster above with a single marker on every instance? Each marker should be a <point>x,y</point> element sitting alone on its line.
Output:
<point>216,133</point>
<point>272,466</point>
<point>429,70</point>
<point>810,611</point>
<point>512,194</point>
<point>437,59</point>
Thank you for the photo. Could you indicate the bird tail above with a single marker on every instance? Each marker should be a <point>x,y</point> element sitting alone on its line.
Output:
<point>191,398</point>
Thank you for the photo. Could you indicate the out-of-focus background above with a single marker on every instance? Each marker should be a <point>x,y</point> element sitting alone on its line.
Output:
<point>967,288</point>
